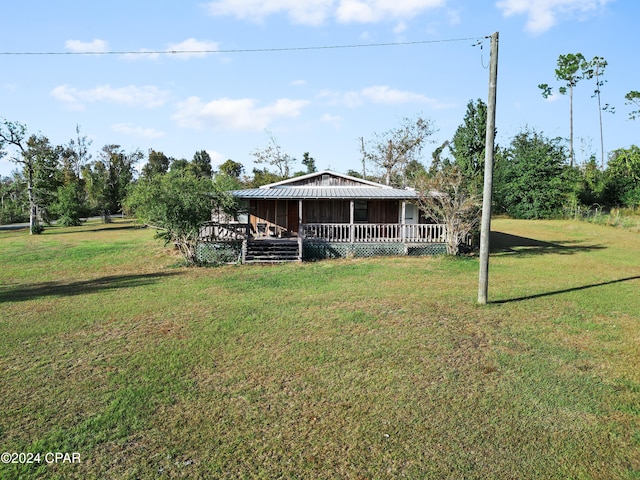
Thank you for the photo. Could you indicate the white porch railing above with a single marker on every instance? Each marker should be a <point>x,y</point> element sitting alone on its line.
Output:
<point>374,232</point>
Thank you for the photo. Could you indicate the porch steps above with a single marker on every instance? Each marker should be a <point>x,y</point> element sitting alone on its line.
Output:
<point>271,251</point>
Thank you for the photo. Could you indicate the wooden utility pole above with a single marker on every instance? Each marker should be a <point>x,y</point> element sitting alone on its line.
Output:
<point>485,228</point>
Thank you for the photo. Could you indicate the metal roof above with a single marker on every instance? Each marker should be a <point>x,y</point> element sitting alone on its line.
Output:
<point>325,193</point>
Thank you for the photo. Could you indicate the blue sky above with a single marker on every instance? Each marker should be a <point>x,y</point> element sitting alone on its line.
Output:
<point>230,102</point>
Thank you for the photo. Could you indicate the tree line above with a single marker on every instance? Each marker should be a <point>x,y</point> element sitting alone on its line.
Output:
<point>534,176</point>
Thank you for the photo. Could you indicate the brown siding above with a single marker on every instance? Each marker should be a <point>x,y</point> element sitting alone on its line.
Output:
<point>383,211</point>
<point>325,211</point>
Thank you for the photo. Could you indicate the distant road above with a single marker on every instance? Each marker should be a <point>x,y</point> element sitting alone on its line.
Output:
<point>18,226</point>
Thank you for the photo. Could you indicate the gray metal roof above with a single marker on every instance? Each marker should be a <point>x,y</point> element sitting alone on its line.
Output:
<point>325,193</point>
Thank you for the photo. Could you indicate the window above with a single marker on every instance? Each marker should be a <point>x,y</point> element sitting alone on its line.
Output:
<point>360,211</point>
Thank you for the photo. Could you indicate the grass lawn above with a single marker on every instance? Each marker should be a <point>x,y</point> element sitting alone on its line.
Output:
<point>356,369</point>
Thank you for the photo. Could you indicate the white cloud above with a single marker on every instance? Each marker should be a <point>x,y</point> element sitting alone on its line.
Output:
<point>96,46</point>
<point>217,158</point>
<point>308,12</point>
<point>298,83</point>
<point>130,129</point>
<point>193,48</point>
<point>390,96</point>
<point>235,114</point>
<point>146,97</point>
<point>336,120</point>
<point>378,94</point>
<point>315,12</point>
<point>544,14</point>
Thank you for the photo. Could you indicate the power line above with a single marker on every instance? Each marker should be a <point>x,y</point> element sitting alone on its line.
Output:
<point>254,50</point>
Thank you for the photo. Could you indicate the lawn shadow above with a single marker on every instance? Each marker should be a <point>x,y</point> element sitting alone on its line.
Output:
<point>507,243</point>
<point>21,293</point>
<point>566,290</point>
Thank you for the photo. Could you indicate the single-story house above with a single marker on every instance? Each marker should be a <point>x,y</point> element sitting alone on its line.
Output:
<point>328,214</point>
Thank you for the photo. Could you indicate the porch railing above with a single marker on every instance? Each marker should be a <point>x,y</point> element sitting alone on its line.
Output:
<point>374,232</point>
<point>214,231</point>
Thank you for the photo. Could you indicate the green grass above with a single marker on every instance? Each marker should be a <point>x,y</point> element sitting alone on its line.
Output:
<point>359,368</point>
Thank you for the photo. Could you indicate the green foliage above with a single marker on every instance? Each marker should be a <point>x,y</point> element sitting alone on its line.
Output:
<point>109,178</point>
<point>623,178</point>
<point>263,177</point>
<point>532,179</point>
<point>177,204</point>
<point>633,98</point>
<point>201,164</point>
<point>570,69</point>
<point>12,134</point>
<point>14,201</point>
<point>70,205</point>
<point>178,164</point>
<point>309,162</point>
<point>591,184</point>
<point>45,159</point>
<point>468,143</point>
<point>231,168</point>
<point>157,164</point>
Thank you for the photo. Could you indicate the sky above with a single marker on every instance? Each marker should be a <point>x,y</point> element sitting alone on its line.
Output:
<point>250,72</point>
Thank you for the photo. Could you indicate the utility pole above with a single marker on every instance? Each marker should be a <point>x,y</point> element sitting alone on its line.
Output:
<point>485,228</point>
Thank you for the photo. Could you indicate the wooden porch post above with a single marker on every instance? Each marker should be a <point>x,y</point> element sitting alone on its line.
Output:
<point>352,208</point>
<point>300,230</point>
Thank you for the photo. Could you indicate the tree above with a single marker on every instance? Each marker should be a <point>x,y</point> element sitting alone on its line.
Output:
<point>69,205</point>
<point>109,178</point>
<point>273,155</point>
<point>633,98</point>
<point>13,134</point>
<point>395,148</point>
<point>413,171</point>
<point>570,69</point>
<point>177,204</point>
<point>591,185</point>
<point>201,164</point>
<point>622,177</point>
<point>14,202</point>
<point>77,153</point>
<point>531,179</point>
<point>468,143</point>
<point>263,177</point>
<point>157,164</point>
<point>45,159</point>
<point>231,169</point>
<point>309,162</point>
<point>446,197</point>
<point>595,69</point>
<point>178,164</point>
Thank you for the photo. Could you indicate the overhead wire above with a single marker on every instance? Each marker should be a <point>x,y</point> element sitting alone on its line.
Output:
<point>251,50</point>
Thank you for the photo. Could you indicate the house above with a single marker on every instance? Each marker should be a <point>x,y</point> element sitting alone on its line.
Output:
<point>328,214</point>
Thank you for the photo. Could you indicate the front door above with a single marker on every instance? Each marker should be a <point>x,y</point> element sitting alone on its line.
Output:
<point>292,216</point>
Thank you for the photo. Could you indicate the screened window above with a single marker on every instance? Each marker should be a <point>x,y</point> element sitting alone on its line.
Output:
<point>360,211</point>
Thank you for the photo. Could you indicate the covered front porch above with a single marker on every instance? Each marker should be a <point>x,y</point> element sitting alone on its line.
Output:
<point>332,213</point>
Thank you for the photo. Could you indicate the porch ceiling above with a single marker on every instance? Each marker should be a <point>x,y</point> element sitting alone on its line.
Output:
<point>319,193</point>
